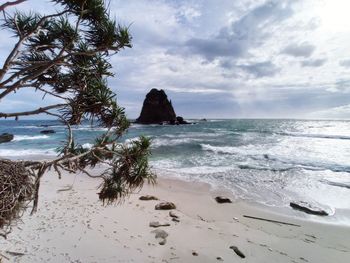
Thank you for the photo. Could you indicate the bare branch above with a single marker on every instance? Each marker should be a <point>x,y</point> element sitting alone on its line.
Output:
<point>70,132</point>
<point>33,112</point>
<point>10,3</point>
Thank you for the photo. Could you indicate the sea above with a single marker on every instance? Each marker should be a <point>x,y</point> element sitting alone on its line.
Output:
<point>269,162</point>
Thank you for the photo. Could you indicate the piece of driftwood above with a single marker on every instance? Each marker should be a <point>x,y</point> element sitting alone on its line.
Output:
<point>237,251</point>
<point>272,221</point>
<point>14,253</point>
<point>65,189</point>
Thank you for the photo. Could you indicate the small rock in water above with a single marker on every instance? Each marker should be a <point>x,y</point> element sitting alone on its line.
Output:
<point>308,208</point>
<point>173,215</point>
<point>47,131</point>
<point>222,199</point>
<point>237,251</point>
<point>165,206</point>
<point>148,197</point>
<point>157,224</point>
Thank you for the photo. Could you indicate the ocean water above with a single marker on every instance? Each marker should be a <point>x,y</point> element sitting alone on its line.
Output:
<point>266,161</point>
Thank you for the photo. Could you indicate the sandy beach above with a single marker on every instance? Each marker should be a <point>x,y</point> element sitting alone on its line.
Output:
<point>73,226</point>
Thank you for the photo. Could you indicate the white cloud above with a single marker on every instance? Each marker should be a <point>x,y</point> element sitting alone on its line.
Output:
<point>227,54</point>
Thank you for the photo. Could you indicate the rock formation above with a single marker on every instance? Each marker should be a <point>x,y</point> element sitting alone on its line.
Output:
<point>157,109</point>
<point>308,208</point>
<point>6,137</point>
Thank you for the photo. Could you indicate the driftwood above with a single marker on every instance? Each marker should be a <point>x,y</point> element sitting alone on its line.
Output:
<point>16,190</point>
<point>14,253</point>
<point>272,221</point>
<point>237,251</point>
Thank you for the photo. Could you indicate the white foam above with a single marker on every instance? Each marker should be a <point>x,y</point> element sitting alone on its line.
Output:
<point>28,137</point>
<point>172,142</point>
<point>27,152</point>
<point>219,149</point>
<point>87,145</point>
<point>92,129</point>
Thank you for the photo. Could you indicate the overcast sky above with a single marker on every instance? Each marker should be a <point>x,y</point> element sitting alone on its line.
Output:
<point>228,59</point>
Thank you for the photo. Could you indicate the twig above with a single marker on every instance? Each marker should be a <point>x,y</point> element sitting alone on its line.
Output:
<point>272,221</point>
<point>1,255</point>
<point>14,253</point>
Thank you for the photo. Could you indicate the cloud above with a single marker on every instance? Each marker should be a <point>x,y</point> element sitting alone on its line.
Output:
<point>345,63</point>
<point>299,50</point>
<point>340,112</point>
<point>243,58</point>
<point>236,39</point>
<point>261,69</point>
<point>314,62</point>
<point>214,48</point>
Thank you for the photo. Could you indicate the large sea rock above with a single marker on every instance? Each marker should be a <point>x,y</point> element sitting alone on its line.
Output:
<point>157,109</point>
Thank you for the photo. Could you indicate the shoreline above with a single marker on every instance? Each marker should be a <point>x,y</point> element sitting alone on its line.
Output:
<point>73,226</point>
<point>340,216</point>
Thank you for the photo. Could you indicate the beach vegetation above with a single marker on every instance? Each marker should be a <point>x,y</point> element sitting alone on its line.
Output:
<point>65,55</point>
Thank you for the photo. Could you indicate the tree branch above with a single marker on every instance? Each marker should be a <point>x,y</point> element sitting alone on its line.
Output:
<point>15,51</point>
<point>12,3</point>
<point>33,112</point>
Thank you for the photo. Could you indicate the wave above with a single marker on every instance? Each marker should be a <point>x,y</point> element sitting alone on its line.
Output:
<point>219,149</point>
<point>158,142</point>
<point>261,160</point>
<point>263,168</point>
<point>27,127</point>
<point>28,137</point>
<point>320,136</point>
<point>343,185</point>
<point>92,129</point>
<point>27,152</point>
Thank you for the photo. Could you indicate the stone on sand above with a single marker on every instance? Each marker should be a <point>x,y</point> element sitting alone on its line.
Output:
<point>308,208</point>
<point>173,215</point>
<point>165,206</point>
<point>162,235</point>
<point>148,197</point>
<point>157,224</point>
<point>222,199</point>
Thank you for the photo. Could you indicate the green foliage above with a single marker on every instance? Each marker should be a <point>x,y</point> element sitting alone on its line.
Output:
<point>23,24</point>
<point>129,171</point>
<point>67,54</point>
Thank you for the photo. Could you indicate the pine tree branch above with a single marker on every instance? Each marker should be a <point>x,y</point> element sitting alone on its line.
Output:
<point>24,80</point>
<point>15,51</point>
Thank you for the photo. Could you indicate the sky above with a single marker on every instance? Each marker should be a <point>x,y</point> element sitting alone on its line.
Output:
<point>226,59</point>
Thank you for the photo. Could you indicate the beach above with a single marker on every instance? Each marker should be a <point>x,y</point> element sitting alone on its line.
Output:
<point>72,225</point>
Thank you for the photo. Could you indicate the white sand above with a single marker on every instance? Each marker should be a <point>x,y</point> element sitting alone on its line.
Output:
<point>73,226</point>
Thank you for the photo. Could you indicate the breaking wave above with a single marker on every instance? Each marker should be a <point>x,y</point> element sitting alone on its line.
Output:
<point>28,137</point>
